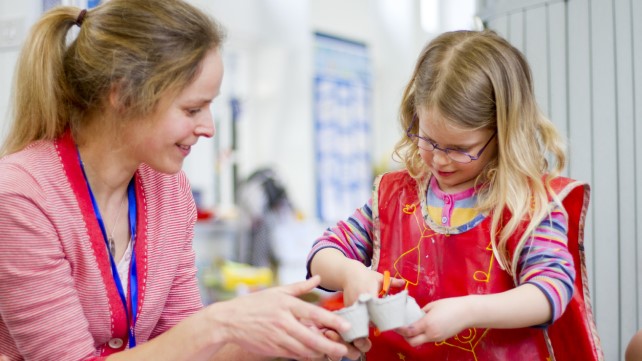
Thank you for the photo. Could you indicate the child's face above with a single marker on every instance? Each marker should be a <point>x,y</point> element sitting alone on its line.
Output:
<point>453,176</point>
<point>166,138</point>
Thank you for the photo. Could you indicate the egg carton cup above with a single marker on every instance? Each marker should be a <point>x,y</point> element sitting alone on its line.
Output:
<point>386,313</point>
<point>413,312</point>
<point>357,316</point>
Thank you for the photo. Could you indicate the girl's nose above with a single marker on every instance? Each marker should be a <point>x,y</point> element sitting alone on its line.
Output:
<point>439,156</point>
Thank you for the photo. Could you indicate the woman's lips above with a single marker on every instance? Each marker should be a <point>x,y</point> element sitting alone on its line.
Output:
<point>185,149</point>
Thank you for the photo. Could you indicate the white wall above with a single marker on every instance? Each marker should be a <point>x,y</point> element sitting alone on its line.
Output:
<point>269,66</point>
<point>268,59</point>
<point>24,13</point>
<point>268,46</point>
<point>586,56</point>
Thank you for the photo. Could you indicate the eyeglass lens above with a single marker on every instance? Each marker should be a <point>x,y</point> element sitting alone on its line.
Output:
<point>457,156</point>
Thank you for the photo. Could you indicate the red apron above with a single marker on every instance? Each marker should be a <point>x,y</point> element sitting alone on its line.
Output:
<point>438,265</point>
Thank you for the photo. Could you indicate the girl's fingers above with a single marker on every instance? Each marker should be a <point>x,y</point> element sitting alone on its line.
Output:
<point>418,340</point>
<point>397,282</point>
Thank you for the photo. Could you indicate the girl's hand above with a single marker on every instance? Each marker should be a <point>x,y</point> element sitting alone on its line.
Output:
<point>364,280</point>
<point>361,280</point>
<point>444,319</point>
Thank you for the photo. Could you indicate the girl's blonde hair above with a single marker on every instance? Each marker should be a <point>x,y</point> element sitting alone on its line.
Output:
<point>142,48</point>
<point>477,80</point>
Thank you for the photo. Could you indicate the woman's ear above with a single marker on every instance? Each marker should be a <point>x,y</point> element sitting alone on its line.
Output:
<point>117,100</point>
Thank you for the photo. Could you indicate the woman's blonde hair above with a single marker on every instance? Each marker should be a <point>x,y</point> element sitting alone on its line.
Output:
<point>477,80</point>
<point>142,48</point>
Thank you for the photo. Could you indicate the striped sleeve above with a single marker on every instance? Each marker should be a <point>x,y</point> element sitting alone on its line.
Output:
<point>353,237</point>
<point>547,263</point>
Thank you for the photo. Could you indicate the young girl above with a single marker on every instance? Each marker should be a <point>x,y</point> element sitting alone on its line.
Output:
<point>96,217</point>
<point>478,228</point>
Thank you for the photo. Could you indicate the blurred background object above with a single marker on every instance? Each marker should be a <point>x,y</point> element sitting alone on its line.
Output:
<point>263,205</point>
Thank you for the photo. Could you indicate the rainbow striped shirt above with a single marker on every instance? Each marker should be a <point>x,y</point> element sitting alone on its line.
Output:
<point>544,261</point>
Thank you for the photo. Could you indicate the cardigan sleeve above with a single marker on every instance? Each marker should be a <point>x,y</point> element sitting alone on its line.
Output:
<point>39,307</point>
<point>184,297</point>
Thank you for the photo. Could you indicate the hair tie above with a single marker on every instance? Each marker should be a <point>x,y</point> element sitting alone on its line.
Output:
<point>81,17</point>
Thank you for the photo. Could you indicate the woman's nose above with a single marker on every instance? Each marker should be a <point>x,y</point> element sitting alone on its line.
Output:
<point>205,126</point>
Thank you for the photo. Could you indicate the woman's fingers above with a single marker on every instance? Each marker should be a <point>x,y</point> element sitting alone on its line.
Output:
<point>355,349</point>
<point>300,288</point>
<point>295,321</point>
<point>362,344</point>
<point>304,311</point>
<point>321,318</point>
<point>297,342</point>
<point>277,322</point>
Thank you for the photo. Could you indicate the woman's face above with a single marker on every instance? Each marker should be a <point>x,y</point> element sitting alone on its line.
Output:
<point>452,176</point>
<point>165,138</point>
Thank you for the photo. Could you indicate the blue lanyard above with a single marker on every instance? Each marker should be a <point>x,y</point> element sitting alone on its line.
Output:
<point>133,279</point>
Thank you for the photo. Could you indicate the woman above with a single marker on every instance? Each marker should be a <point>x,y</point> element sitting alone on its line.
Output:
<point>97,218</point>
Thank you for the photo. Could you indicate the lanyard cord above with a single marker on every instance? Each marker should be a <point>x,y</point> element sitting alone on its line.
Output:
<point>133,278</point>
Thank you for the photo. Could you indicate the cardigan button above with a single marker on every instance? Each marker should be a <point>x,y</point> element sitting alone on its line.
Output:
<point>115,343</point>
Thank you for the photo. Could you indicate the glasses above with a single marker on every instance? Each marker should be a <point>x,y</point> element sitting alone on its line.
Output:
<point>454,154</point>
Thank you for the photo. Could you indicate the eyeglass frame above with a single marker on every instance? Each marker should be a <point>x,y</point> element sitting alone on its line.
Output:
<point>446,150</point>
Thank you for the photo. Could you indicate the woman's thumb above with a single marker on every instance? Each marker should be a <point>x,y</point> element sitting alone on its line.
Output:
<point>300,288</point>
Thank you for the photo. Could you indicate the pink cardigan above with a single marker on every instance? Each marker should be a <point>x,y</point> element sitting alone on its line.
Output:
<point>58,300</point>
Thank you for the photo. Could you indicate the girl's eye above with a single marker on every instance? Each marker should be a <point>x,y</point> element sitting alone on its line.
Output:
<point>193,111</point>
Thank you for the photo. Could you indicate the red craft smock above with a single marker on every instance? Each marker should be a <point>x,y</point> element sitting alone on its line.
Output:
<point>438,265</point>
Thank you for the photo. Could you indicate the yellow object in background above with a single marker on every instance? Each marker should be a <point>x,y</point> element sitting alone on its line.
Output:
<point>234,275</point>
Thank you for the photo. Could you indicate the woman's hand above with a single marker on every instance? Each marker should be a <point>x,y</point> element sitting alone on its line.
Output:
<point>275,322</point>
<point>355,349</point>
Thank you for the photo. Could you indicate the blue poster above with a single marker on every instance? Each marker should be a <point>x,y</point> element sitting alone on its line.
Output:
<point>83,4</point>
<point>342,115</point>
